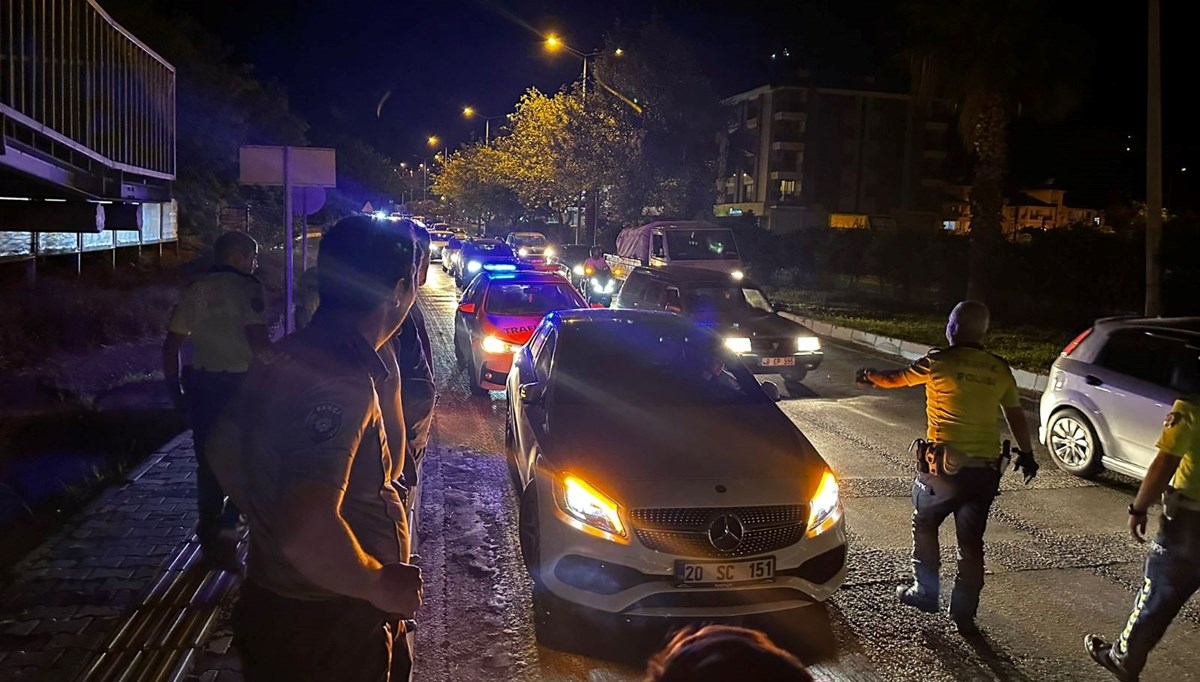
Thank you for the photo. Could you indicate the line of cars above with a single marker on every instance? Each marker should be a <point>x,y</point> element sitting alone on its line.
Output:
<point>656,476</point>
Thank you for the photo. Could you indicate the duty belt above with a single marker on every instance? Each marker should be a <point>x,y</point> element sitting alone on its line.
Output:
<point>939,459</point>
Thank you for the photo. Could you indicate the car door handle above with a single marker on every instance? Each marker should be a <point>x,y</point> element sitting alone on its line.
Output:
<point>1093,380</point>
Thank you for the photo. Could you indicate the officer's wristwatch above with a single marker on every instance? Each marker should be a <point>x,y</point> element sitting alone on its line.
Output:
<point>1134,511</point>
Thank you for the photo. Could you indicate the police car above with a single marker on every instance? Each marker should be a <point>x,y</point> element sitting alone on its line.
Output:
<point>497,314</point>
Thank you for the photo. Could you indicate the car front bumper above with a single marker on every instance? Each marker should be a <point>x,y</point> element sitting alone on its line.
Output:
<point>494,369</point>
<point>631,579</point>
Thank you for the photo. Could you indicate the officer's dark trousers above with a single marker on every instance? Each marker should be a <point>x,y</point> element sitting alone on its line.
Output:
<point>342,640</point>
<point>967,495</point>
<point>207,394</point>
<point>1172,577</point>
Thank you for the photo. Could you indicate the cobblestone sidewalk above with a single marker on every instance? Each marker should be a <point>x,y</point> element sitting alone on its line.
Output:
<point>67,597</point>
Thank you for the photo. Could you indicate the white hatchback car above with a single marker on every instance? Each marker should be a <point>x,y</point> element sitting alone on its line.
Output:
<point>1112,387</point>
<point>657,478</point>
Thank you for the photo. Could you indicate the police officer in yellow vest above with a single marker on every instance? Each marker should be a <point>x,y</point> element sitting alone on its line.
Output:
<point>223,314</point>
<point>960,464</point>
<point>1173,564</point>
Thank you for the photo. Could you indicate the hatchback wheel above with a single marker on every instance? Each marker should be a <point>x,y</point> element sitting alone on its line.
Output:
<point>1073,443</point>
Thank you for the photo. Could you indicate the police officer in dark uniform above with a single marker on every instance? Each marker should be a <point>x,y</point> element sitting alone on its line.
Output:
<point>1173,564</point>
<point>311,463</point>
<point>960,461</point>
<point>223,315</point>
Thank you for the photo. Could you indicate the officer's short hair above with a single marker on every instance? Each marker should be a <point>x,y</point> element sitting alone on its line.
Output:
<point>719,652</point>
<point>970,320</point>
<point>421,235</point>
<point>233,243</point>
<point>361,261</point>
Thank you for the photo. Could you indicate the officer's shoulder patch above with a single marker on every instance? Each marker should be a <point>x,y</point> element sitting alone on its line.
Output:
<point>1172,419</point>
<point>323,422</point>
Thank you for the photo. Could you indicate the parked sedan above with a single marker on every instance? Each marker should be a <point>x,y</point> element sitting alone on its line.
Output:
<point>438,241</point>
<point>657,478</point>
<point>1111,388</point>
<point>497,315</point>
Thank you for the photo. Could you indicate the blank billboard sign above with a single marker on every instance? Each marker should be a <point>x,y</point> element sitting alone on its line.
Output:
<point>307,166</point>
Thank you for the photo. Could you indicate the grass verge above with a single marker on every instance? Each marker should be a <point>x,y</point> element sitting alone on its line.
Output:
<point>1025,347</point>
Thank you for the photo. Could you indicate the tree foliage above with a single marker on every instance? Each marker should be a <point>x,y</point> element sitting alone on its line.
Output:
<point>991,59</point>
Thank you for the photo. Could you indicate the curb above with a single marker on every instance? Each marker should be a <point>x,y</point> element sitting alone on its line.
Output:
<point>906,349</point>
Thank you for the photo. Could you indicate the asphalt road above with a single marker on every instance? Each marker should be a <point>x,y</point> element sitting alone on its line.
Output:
<point>1060,562</point>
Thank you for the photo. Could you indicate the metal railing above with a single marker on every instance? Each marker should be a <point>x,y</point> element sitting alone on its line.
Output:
<point>72,74</point>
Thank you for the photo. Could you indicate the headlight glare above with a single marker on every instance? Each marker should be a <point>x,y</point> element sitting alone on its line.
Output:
<point>737,275</point>
<point>826,506</point>
<point>498,346</point>
<point>808,344</point>
<point>578,270</point>
<point>522,252</point>
<point>474,266</point>
<point>584,503</point>
<point>738,344</point>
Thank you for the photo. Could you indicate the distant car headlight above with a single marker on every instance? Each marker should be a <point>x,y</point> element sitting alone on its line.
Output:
<point>587,505</point>
<point>549,252</point>
<point>498,346</point>
<point>434,248</point>
<point>578,270</point>
<point>808,344</point>
<point>737,274</point>
<point>454,257</point>
<point>826,506</point>
<point>738,344</point>
<point>522,252</point>
<point>474,266</point>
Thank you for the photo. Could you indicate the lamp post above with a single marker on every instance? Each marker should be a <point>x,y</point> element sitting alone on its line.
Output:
<point>470,112</point>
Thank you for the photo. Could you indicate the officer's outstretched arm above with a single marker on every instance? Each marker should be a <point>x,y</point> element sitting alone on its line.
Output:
<point>915,374</point>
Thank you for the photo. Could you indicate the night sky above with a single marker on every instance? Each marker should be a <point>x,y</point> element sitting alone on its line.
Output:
<point>337,59</point>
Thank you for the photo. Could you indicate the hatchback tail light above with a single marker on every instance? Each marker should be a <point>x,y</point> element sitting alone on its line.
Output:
<point>1066,352</point>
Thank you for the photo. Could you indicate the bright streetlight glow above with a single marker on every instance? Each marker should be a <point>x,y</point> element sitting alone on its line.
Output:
<point>433,140</point>
<point>619,52</point>
<point>468,112</point>
<point>552,42</point>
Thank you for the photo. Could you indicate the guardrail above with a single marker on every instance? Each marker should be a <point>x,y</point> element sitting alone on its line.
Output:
<point>74,78</point>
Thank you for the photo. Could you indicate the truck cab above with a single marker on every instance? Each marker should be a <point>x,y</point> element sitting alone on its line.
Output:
<point>693,244</point>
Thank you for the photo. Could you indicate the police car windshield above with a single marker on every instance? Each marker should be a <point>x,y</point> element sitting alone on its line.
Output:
<point>700,300</point>
<point>702,245</point>
<point>528,300</point>
<point>529,240</point>
<point>488,247</point>
<point>647,365</point>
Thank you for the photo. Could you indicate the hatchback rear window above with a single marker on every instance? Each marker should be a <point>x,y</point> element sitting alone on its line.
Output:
<point>1154,358</point>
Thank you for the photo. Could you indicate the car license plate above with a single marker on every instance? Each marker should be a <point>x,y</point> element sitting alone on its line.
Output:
<point>722,572</point>
<point>778,362</point>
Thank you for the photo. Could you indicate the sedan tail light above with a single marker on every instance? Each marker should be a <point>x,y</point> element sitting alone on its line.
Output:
<point>1066,352</point>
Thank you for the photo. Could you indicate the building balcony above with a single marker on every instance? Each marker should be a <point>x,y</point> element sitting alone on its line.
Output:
<point>787,145</point>
<point>789,116</point>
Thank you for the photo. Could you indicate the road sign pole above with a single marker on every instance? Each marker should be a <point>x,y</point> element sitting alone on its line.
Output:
<point>304,231</point>
<point>290,250</point>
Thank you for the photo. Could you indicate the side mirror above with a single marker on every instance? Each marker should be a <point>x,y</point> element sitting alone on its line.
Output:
<point>467,308</point>
<point>532,394</point>
<point>771,390</point>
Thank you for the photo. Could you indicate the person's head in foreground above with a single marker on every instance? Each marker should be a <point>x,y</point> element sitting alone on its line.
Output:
<point>721,653</point>
<point>968,323</point>
<point>366,273</point>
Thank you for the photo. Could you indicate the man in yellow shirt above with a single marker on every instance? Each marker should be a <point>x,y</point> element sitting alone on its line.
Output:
<point>223,314</point>
<point>1173,565</point>
<point>966,388</point>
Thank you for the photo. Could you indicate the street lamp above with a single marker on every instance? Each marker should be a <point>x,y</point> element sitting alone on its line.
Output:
<point>470,112</point>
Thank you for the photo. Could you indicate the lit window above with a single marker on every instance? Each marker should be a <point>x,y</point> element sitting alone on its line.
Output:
<point>950,225</point>
<point>847,221</point>
<point>787,188</point>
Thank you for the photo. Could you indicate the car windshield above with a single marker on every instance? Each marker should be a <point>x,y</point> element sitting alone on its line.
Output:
<point>648,365</point>
<point>712,244</point>
<point>528,240</point>
<point>490,248</point>
<point>530,299</point>
<point>702,300</point>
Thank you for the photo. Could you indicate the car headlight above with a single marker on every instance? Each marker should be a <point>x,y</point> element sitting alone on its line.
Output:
<point>434,248</point>
<point>578,270</point>
<point>587,505</point>
<point>522,252</point>
<point>826,506</point>
<point>474,266</point>
<point>609,286</point>
<point>597,286</point>
<point>738,344</point>
<point>498,346</point>
<point>549,252</point>
<point>808,344</point>
<point>737,275</point>
<point>454,257</point>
